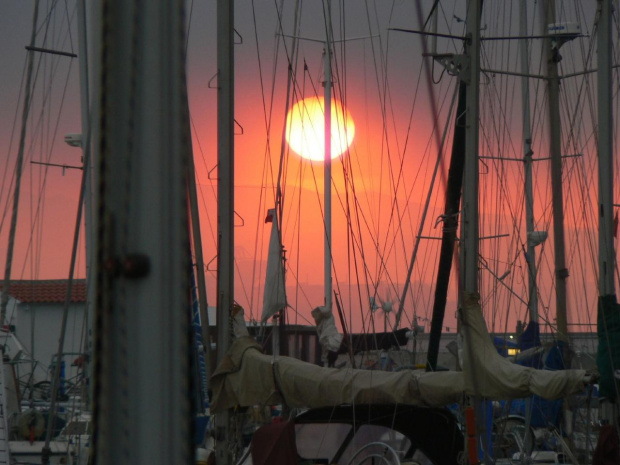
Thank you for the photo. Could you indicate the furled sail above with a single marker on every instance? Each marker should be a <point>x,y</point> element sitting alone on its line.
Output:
<point>490,375</point>
<point>247,377</point>
<point>274,297</point>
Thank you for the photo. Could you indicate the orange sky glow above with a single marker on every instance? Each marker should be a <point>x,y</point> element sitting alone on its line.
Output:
<point>380,183</point>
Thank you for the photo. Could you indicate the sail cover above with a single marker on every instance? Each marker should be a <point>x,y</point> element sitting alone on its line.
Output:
<point>247,377</point>
<point>329,336</point>
<point>274,297</point>
<point>490,375</point>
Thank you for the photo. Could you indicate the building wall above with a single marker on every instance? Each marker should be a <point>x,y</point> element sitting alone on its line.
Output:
<point>47,325</point>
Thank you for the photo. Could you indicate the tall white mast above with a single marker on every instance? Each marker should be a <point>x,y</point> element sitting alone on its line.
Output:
<point>142,373</point>
<point>469,226</point>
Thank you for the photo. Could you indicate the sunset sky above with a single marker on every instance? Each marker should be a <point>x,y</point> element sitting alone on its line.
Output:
<point>382,181</point>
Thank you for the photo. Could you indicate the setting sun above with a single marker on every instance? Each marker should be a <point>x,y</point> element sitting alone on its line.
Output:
<point>305,129</point>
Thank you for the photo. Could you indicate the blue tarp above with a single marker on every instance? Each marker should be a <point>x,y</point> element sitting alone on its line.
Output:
<point>544,412</point>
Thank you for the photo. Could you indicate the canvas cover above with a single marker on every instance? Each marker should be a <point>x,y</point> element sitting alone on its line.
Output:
<point>247,377</point>
<point>238,322</point>
<point>329,337</point>
<point>490,375</point>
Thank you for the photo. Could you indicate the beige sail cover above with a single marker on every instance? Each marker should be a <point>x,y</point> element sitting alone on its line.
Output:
<point>490,375</point>
<point>247,377</point>
<point>329,337</point>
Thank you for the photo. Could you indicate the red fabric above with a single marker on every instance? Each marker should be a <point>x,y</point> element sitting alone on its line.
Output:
<point>607,450</point>
<point>274,444</point>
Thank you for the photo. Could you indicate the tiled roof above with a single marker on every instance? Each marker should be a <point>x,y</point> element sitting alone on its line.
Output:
<point>47,291</point>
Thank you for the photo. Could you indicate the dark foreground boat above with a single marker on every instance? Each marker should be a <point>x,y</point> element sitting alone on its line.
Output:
<point>391,434</point>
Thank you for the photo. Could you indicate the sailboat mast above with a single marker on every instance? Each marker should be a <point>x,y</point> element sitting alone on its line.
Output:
<point>608,354</point>
<point>18,171</point>
<point>555,147</point>
<point>607,260</point>
<point>225,215</point>
<point>141,363</point>
<point>527,160</point>
<point>327,93</point>
<point>462,131</point>
<point>469,225</point>
<point>225,167</point>
<point>89,184</point>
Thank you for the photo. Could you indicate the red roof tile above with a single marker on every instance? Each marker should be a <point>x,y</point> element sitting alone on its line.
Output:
<point>47,291</point>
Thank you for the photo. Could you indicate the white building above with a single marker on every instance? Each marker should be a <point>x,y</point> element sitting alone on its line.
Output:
<point>35,313</point>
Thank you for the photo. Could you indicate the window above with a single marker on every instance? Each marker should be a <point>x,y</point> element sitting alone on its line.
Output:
<point>320,441</point>
<point>375,433</point>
